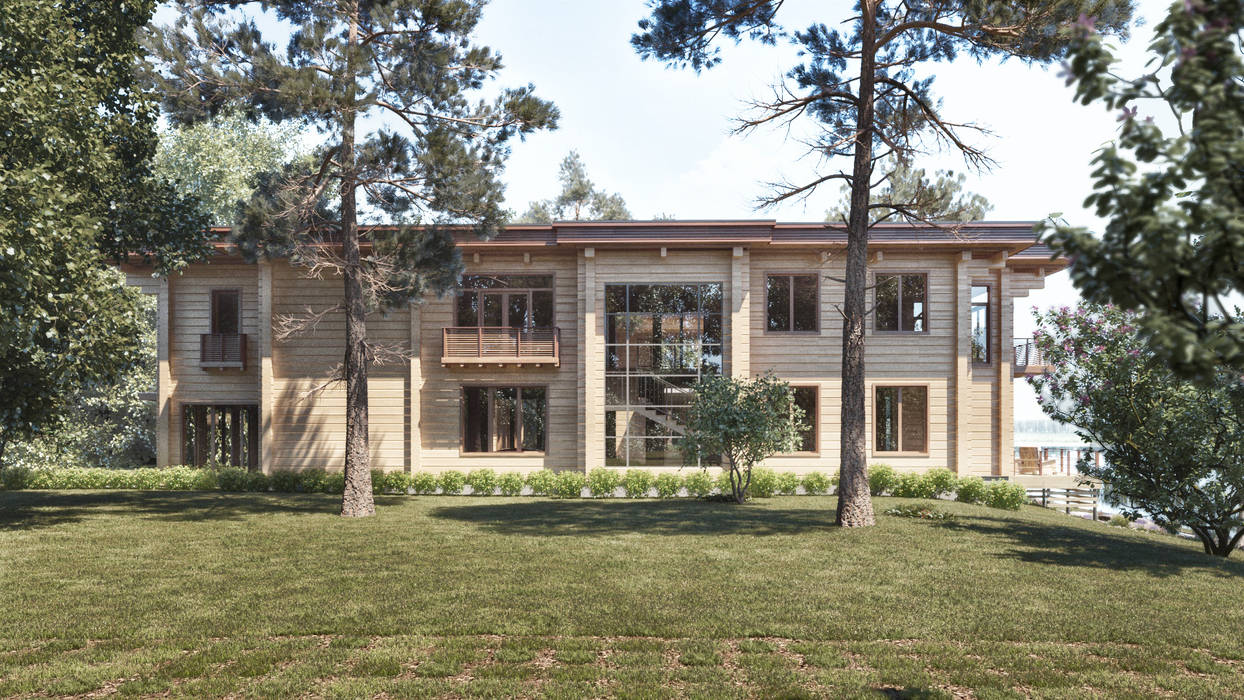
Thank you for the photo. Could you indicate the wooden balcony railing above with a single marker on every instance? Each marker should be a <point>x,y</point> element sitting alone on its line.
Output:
<point>222,350</point>
<point>1028,357</point>
<point>500,346</point>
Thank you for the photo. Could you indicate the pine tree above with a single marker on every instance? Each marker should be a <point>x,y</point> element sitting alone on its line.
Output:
<point>862,89</point>
<point>392,83</point>
<point>578,200</point>
<point>935,199</point>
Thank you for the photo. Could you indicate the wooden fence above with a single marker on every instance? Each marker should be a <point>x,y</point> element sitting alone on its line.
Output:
<point>1081,500</point>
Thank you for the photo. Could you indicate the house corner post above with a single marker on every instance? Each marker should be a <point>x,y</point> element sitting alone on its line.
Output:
<point>266,427</point>
<point>164,374</point>
<point>1006,376</point>
<point>962,362</point>
<point>593,367</point>
<point>415,439</point>
<point>740,313</point>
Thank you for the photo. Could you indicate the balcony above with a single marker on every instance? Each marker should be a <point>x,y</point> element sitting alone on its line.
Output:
<point>492,347</point>
<point>1028,358</point>
<point>222,350</point>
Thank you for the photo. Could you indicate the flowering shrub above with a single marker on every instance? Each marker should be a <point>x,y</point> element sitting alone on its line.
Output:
<point>668,485</point>
<point>699,484</point>
<point>602,482</point>
<point>1006,495</point>
<point>542,482</point>
<point>787,484</point>
<point>637,483</point>
<point>510,484</point>
<point>452,482</point>
<point>568,484</point>
<point>881,479</point>
<point>970,489</point>
<point>816,483</point>
<point>483,482</point>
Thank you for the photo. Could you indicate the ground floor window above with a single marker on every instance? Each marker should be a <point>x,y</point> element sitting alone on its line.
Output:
<point>504,419</point>
<point>220,435</point>
<point>902,419</point>
<point>806,398</point>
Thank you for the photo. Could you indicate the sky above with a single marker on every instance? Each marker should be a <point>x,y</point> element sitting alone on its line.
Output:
<point>661,137</point>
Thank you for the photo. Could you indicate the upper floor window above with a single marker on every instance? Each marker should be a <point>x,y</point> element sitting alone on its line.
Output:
<point>506,301</point>
<point>902,419</point>
<point>980,324</point>
<point>226,311</point>
<point>791,303</point>
<point>900,303</point>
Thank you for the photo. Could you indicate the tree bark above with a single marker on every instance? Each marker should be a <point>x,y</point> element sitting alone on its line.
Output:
<point>356,500</point>
<point>855,507</point>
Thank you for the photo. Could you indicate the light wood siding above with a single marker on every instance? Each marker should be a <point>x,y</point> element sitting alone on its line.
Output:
<point>309,432</point>
<point>440,422</point>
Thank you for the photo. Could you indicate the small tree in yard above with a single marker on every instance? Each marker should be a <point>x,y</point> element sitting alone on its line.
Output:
<point>1174,448</point>
<point>743,422</point>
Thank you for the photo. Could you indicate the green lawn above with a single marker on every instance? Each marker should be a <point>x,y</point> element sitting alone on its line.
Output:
<point>261,595</point>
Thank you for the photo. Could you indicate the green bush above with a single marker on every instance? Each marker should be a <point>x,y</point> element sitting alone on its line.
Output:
<point>816,483</point>
<point>601,482</point>
<point>483,482</point>
<point>395,482</point>
<point>542,482</point>
<point>881,479</point>
<point>1006,495</point>
<point>919,511</point>
<point>452,483</point>
<point>722,482</point>
<point>15,478</point>
<point>238,479</point>
<point>511,484</point>
<point>787,484</point>
<point>941,481</point>
<point>699,484</point>
<point>569,484</point>
<point>285,480</point>
<point>764,483</point>
<point>970,489</point>
<point>333,482</point>
<point>424,483</point>
<point>668,484</point>
<point>911,485</point>
<point>637,483</point>
<point>1118,520</point>
<point>377,481</point>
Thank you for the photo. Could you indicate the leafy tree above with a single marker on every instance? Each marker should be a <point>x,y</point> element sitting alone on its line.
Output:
<point>938,197</point>
<point>1174,240</point>
<point>220,161</point>
<point>392,85</point>
<point>76,191</point>
<point>579,199</point>
<point>1173,448</point>
<point>862,89</point>
<point>743,421</point>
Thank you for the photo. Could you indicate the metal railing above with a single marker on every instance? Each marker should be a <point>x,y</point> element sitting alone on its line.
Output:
<point>222,350</point>
<point>537,345</point>
<point>1028,354</point>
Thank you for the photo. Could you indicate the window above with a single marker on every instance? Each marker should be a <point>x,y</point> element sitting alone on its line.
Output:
<point>219,435</point>
<point>901,419</point>
<point>900,303</point>
<point>226,311</point>
<point>980,324</point>
<point>503,419</point>
<point>505,301</point>
<point>659,340</point>
<point>806,398</point>
<point>791,303</point>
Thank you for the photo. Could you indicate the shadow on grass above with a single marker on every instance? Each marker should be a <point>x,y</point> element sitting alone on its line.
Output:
<point>613,517</point>
<point>1040,542</point>
<point>23,510</point>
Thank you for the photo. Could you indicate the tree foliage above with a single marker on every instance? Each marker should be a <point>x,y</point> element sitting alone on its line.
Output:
<point>866,99</point>
<point>76,191</point>
<point>578,200</point>
<point>411,138</point>
<point>742,421</point>
<point>937,196</point>
<point>220,161</point>
<point>1173,449</point>
<point>1173,246</point>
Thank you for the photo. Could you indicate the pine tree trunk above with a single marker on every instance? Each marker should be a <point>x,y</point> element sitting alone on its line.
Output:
<point>855,507</point>
<point>356,500</point>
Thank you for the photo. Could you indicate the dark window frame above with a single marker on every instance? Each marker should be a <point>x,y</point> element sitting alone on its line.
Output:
<point>899,311</point>
<point>551,289</point>
<point>989,324</point>
<point>816,314</point>
<point>211,311</point>
<point>900,452</point>
<point>491,390</point>
<point>814,424</point>
<point>200,424</point>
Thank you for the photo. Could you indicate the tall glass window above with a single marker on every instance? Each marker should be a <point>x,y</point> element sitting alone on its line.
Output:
<point>900,303</point>
<point>505,301</point>
<point>503,419</point>
<point>980,324</point>
<point>659,340</point>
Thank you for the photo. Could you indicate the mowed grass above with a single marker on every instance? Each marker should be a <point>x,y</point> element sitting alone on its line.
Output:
<point>273,595</point>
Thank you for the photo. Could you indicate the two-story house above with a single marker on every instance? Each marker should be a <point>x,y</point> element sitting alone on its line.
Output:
<point>578,345</point>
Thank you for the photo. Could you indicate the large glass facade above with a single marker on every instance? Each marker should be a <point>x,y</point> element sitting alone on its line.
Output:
<point>659,340</point>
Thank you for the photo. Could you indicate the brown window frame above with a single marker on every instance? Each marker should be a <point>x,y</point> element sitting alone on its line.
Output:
<point>989,325</point>
<point>551,289</point>
<point>816,314</point>
<point>211,310</point>
<point>200,424</point>
<point>491,389</point>
<point>877,305</point>
<point>814,424</point>
<point>899,423</point>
